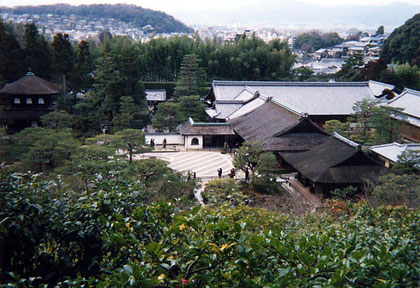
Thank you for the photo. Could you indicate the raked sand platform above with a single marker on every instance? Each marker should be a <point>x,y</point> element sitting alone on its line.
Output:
<point>203,163</point>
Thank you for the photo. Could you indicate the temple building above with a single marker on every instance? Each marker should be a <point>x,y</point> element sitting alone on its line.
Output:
<point>337,163</point>
<point>24,102</point>
<point>193,135</point>
<point>279,128</point>
<point>322,101</point>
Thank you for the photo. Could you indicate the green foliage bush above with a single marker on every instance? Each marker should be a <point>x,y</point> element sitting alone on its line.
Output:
<point>223,191</point>
<point>397,190</point>
<point>345,193</point>
<point>54,236</point>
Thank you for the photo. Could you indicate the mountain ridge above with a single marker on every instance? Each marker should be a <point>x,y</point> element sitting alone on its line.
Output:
<point>276,13</point>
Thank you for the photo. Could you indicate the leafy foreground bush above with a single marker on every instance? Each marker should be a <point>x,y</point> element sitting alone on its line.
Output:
<point>52,237</point>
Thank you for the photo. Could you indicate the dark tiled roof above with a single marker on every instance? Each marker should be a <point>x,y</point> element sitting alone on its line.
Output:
<point>294,142</point>
<point>198,128</point>
<point>31,85</point>
<point>263,122</point>
<point>278,128</point>
<point>334,162</point>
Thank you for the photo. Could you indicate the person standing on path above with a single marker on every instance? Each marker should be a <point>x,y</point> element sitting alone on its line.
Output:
<point>219,172</point>
<point>246,175</point>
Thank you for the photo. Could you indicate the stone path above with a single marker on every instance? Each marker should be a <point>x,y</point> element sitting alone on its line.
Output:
<point>294,186</point>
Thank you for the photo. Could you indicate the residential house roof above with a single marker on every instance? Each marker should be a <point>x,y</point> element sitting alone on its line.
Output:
<point>393,150</point>
<point>338,160</point>
<point>31,85</point>
<point>354,44</point>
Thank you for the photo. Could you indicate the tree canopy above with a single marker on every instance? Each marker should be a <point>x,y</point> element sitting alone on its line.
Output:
<point>312,41</point>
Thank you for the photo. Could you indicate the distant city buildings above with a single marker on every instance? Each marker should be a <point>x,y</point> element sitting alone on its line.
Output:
<point>327,60</point>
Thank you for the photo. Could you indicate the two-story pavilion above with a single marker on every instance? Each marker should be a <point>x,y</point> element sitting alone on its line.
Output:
<point>24,102</point>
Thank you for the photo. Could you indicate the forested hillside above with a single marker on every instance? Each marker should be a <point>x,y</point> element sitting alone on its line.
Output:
<point>403,45</point>
<point>161,22</point>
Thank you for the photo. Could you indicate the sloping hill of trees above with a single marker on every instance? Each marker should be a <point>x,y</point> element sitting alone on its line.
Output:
<point>403,45</point>
<point>160,21</point>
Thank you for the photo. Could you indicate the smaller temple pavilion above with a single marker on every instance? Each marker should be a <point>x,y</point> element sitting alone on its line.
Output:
<point>201,134</point>
<point>24,102</point>
<point>197,135</point>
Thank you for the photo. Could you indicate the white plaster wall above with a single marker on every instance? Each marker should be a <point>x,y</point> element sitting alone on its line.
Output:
<point>171,139</point>
<point>188,142</point>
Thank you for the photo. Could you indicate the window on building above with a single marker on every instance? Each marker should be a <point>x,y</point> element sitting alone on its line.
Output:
<point>16,100</point>
<point>28,100</point>
<point>41,101</point>
<point>194,141</point>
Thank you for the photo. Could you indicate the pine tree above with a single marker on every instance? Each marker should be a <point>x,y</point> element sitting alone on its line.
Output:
<point>127,60</point>
<point>191,77</point>
<point>107,84</point>
<point>387,122</point>
<point>191,106</point>
<point>133,140</point>
<point>167,116</point>
<point>81,78</point>
<point>62,55</point>
<point>11,64</point>
<point>124,118</point>
<point>37,52</point>
<point>351,69</point>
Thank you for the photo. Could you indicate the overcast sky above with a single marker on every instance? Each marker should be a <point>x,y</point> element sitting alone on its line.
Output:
<point>171,6</point>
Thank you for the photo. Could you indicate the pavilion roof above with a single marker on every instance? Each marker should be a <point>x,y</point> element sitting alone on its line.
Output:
<point>190,127</point>
<point>31,84</point>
